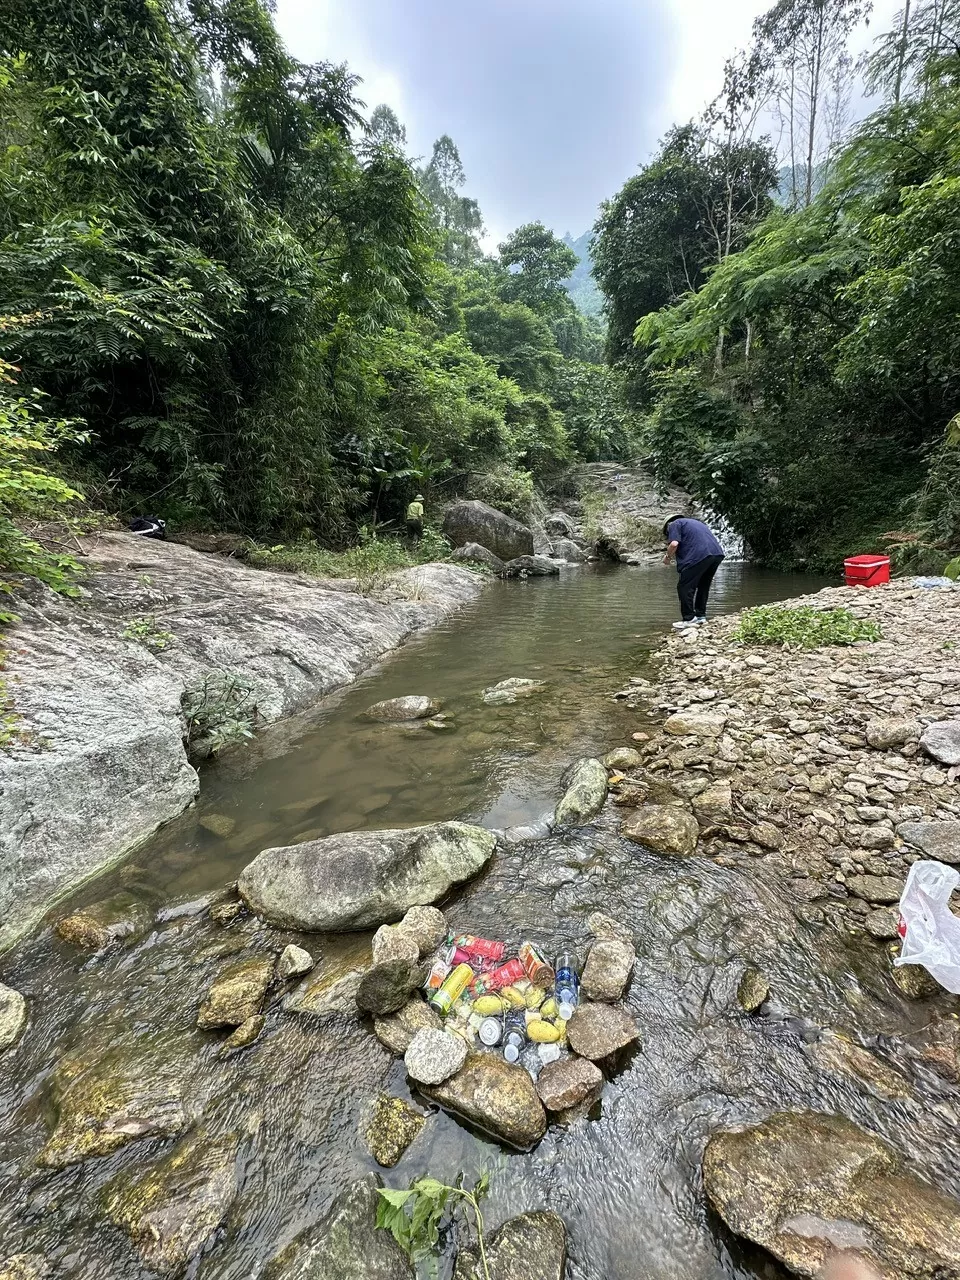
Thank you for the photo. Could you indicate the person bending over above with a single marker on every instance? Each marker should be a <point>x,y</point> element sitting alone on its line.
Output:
<point>699,556</point>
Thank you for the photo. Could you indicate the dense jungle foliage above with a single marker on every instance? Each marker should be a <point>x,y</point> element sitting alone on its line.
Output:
<point>797,364</point>
<point>234,301</point>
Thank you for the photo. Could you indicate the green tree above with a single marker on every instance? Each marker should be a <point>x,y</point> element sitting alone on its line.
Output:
<point>538,264</point>
<point>458,217</point>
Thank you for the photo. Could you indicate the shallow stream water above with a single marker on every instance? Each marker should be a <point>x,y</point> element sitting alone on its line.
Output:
<point>626,1180</point>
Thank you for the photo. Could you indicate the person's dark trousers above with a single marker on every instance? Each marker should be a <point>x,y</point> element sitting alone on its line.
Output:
<point>415,531</point>
<point>694,587</point>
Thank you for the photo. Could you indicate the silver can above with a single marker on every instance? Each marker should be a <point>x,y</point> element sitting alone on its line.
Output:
<point>490,1031</point>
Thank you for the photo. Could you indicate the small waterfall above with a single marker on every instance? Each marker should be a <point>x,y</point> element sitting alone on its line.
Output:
<point>731,541</point>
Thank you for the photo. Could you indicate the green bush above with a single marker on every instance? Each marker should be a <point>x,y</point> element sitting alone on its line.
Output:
<point>370,560</point>
<point>507,489</point>
<point>804,627</point>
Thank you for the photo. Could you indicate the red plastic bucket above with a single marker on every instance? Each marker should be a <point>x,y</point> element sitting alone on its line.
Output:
<point>867,571</point>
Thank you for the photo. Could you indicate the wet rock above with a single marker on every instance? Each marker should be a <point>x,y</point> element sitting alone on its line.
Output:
<point>941,1047</point>
<point>695,724</point>
<point>434,1056</point>
<point>294,962</point>
<point>912,980</point>
<point>882,923</point>
<point>495,1096</point>
<point>218,824</point>
<point>237,994</point>
<point>753,990</point>
<point>390,942</point>
<point>386,987</point>
<point>224,913</point>
<point>568,1083</point>
<point>938,840</point>
<point>584,795</point>
<point>598,1030</point>
<point>838,1053</point>
<point>393,710</point>
<point>472,552</point>
<point>397,1031</point>
<point>393,1125</point>
<point>789,1183</point>
<point>13,1016</point>
<point>531,567</point>
<point>509,691</point>
<point>605,929</point>
<point>25,1266</point>
<point>326,995</point>
<point>427,926</point>
<point>104,1097</point>
<point>532,1246</point>
<point>623,758</point>
<point>607,971</point>
<point>663,829</point>
<point>887,732</point>
<point>245,1034</point>
<point>564,549</point>
<point>941,740</point>
<point>881,889</point>
<point>98,926</point>
<point>507,538</point>
<point>172,1210</point>
<point>362,879</point>
<point>714,804</point>
<point>345,1245</point>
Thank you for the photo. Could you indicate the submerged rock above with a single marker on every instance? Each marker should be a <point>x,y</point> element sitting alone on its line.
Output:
<point>294,962</point>
<point>472,552</point>
<point>219,824</point>
<point>531,567</point>
<point>392,1126</point>
<point>104,1097</point>
<point>663,829</point>
<point>532,1246</point>
<point>598,1030</point>
<point>608,969</point>
<point>397,1032</point>
<point>800,1182</point>
<point>237,994</point>
<point>941,740</point>
<point>413,707</point>
<point>584,795</point>
<point>509,691</point>
<point>99,925</point>
<point>325,995</point>
<point>386,987</point>
<point>507,538</point>
<point>753,990</point>
<point>345,1245</point>
<point>569,1083</point>
<point>13,1016</point>
<point>361,879</point>
<point>25,1266</point>
<point>172,1210</point>
<point>245,1034</point>
<point>496,1096</point>
<point>434,1056</point>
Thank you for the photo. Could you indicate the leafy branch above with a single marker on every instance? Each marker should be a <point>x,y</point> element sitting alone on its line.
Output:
<point>416,1216</point>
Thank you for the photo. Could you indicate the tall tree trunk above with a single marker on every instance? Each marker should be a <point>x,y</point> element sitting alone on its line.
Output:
<point>793,132</point>
<point>816,70</point>
<point>902,54</point>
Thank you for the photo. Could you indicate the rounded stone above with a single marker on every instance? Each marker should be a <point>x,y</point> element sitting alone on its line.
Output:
<point>13,1016</point>
<point>434,1056</point>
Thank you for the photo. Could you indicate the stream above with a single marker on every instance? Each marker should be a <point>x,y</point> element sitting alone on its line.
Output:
<point>626,1180</point>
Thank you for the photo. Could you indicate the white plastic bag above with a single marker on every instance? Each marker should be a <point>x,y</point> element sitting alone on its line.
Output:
<point>929,929</point>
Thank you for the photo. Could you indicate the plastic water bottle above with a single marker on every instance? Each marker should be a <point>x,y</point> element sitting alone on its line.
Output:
<point>514,1036</point>
<point>568,984</point>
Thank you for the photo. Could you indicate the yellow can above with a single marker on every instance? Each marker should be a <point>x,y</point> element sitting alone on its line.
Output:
<point>451,991</point>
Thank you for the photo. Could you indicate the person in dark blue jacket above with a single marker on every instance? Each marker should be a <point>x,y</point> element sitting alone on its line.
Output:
<point>698,555</point>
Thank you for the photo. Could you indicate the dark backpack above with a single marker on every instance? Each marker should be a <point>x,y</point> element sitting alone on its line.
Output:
<point>148,527</point>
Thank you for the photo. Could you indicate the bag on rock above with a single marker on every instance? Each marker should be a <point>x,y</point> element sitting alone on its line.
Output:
<point>929,929</point>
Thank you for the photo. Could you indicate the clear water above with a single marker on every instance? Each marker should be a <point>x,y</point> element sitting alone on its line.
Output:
<point>627,1179</point>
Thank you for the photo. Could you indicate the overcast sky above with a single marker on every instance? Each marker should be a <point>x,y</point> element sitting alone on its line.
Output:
<point>553,103</point>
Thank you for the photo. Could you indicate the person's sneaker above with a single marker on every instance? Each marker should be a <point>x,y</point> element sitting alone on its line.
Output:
<point>682,626</point>
<point>701,622</point>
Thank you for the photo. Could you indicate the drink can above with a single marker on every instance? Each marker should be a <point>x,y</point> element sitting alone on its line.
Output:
<point>490,1031</point>
<point>452,989</point>
<point>535,966</point>
<point>481,948</point>
<point>505,976</point>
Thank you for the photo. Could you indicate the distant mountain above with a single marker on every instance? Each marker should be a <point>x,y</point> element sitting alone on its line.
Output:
<point>787,182</point>
<point>581,286</point>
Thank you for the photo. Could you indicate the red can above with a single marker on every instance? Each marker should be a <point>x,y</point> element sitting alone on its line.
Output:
<point>480,948</point>
<point>505,976</point>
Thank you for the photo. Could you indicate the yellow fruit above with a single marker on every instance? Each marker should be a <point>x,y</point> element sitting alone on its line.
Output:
<point>549,1009</point>
<point>534,997</point>
<point>513,997</point>
<point>487,1006</point>
<point>543,1033</point>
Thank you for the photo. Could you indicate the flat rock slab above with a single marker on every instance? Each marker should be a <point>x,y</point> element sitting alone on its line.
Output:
<point>938,840</point>
<point>532,1246</point>
<point>434,1056</point>
<point>585,793</point>
<point>568,1083</point>
<point>695,725</point>
<point>496,1096</point>
<point>237,994</point>
<point>786,1183</point>
<point>509,691</point>
<point>941,740</point>
<point>323,996</point>
<point>393,710</point>
<point>345,1245</point>
<point>663,829</point>
<point>362,879</point>
<point>880,889</point>
<point>607,971</point>
<point>598,1030</point>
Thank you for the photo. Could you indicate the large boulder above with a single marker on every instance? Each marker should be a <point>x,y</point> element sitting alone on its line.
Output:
<point>361,879</point>
<point>663,829</point>
<point>584,795</point>
<point>798,1180</point>
<point>473,553</point>
<point>531,567</point>
<point>171,1210</point>
<point>941,740</point>
<point>507,538</point>
<point>564,549</point>
<point>559,525</point>
<point>395,710</point>
<point>345,1245</point>
<point>532,1246</point>
<point>13,1016</point>
<point>496,1096</point>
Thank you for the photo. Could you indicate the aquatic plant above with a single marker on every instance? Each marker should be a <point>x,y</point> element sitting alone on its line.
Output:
<point>416,1216</point>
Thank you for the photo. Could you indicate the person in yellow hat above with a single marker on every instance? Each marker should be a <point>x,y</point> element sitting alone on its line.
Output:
<point>415,519</point>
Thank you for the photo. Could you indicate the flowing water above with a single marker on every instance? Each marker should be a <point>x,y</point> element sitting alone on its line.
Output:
<point>626,1179</point>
